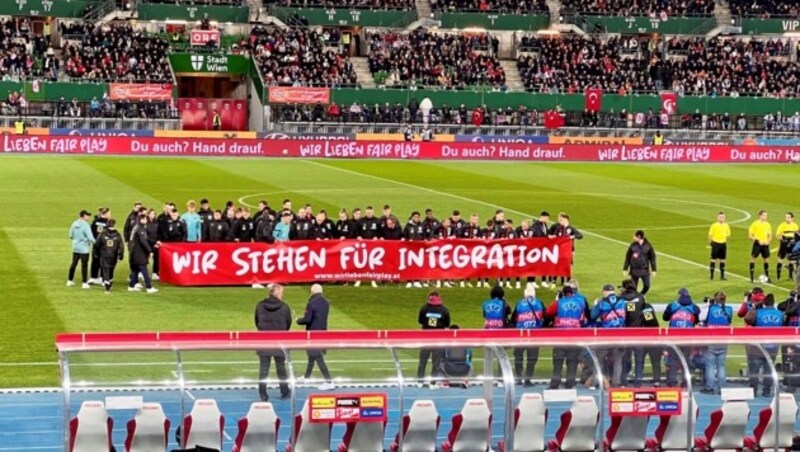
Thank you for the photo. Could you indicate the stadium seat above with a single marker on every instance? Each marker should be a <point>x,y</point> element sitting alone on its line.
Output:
<point>308,436</point>
<point>530,418</point>
<point>363,437</point>
<point>203,426</point>
<point>471,428</point>
<point>726,427</point>
<point>420,426</point>
<point>90,430</point>
<point>764,433</point>
<point>671,431</point>
<point>578,427</point>
<point>627,433</point>
<point>258,430</point>
<point>149,430</point>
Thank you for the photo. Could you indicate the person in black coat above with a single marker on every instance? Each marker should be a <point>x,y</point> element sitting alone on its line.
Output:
<point>316,319</point>
<point>272,314</point>
<point>433,315</point>
<point>109,249</point>
<point>640,260</point>
<point>140,252</point>
<point>154,241</point>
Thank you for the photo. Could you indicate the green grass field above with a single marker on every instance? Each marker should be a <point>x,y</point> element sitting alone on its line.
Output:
<point>42,195</point>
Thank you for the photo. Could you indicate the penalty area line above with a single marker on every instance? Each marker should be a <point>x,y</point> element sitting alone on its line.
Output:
<point>496,206</point>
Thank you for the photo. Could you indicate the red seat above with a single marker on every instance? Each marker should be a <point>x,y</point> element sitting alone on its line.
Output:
<point>420,426</point>
<point>258,430</point>
<point>471,428</point>
<point>530,418</point>
<point>203,426</point>
<point>726,427</point>
<point>764,433</point>
<point>90,430</point>
<point>671,433</point>
<point>148,431</point>
<point>578,427</point>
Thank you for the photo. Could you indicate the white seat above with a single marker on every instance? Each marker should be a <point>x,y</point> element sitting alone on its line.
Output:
<point>671,431</point>
<point>203,426</point>
<point>258,430</point>
<point>471,428</point>
<point>578,427</point>
<point>149,430</point>
<point>726,427</point>
<point>627,433</point>
<point>764,433</point>
<point>90,430</point>
<point>530,418</point>
<point>420,426</point>
<point>308,436</point>
<point>363,437</point>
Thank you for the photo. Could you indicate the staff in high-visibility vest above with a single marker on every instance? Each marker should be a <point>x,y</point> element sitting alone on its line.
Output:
<point>216,121</point>
<point>658,139</point>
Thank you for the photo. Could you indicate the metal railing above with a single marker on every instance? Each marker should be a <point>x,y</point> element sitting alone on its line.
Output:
<point>50,122</point>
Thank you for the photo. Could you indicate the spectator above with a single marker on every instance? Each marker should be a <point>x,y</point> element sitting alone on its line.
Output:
<point>652,8</point>
<point>500,6</point>
<point>353,4</point>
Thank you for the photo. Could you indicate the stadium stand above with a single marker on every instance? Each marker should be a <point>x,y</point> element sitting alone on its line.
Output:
<point>297,57</point>
<point>501,6</point>
<point>117,52</point>
<point>423,58</point>
<point>355,4</point>
<point>764,8</point>
<point>653,8</point>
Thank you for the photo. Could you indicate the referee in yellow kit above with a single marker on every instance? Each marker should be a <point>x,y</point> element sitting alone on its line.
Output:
<point>786,233</point>
<point>760,233</point>
<point>718,235</point>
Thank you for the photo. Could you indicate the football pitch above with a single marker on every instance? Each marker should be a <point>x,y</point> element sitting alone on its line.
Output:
<point>41,196</point>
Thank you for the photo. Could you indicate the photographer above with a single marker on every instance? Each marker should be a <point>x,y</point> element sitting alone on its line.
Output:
<point>762,315</point>
<point>715,314</point>
<point>791,354</point>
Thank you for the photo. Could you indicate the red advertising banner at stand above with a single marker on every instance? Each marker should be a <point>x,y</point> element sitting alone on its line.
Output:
<point>229,264</point>
<point>388,150</point>
<point>140,91</point>
<point>199,37</point>
<point>299,95</point>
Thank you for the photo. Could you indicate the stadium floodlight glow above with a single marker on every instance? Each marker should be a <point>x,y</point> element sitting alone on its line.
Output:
<point>548,32</point>
<point>473,30</point>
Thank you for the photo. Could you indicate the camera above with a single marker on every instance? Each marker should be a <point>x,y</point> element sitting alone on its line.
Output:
<point>709,300</point>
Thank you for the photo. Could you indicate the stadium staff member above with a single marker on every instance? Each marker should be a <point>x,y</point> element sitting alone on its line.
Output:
<point>272,314</point>
<point>640,260</point>
<point>569,311</point>
<point>681,313</point>
<point>610,312</point>
<point>716,315</point>
<point>760,233</point>
<point>528,315</point>
<point>316,319</point>
<point>787,234</point>
<point>82,240</point>
<point>98,225</point>
<point>433,315</point>
<point>763,315</point>
<point>109,249</point>
<point>139,256</point>
<point>718,235</point>
<point>216,121</point>
<point>131,221</point>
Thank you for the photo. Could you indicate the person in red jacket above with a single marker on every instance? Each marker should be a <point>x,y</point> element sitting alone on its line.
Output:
<point>477,117</point>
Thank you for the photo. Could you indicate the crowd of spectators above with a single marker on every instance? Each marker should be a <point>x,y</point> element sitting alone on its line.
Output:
<point>652,8</point>
<point>765,8</point>
<point>354,4</point>
<point>199,2</point>
<point>690,66</point>
<point>21,50</point>
<point>298,57</point>
<point>500,6</point>
<point>423,58</point>
<point>117,52</point>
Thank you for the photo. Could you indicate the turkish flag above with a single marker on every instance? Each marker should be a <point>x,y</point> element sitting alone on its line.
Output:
<point>553,119</point>
<point>669,102</point>
<point>593,99</point>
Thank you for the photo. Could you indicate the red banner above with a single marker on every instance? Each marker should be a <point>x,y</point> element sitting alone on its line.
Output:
<point>292,95</point>
<point>202,37</point>
<point>593,99</point>
<point>669,102</point>
<point>228,264</point>
<point>396,150</point>
<point>140,91</point>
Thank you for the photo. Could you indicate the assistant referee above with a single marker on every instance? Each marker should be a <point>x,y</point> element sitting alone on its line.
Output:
<point>760,233</point>
<point>786,233</point>
<point>718,235</point>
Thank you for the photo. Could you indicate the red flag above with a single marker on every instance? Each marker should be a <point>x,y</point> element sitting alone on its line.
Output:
<point>593,99</point>
<point>669,102</point>
<point>553,119</point>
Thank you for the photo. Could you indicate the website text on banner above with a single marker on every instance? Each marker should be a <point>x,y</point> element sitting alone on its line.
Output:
<point>199,147</point>
<point>229,264</point>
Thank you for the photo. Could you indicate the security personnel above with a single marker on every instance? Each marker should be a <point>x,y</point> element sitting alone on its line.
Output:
<point>610,312</point>
<point>760,233</point>
<point>433,315</point>
<point>528,315</point>
<point>658,139</point>
<point>718,235</point>
<point>640,259</point>
<point>216,122</point>
<point>765,315</point>
<point>19,127</point>
<point>786,233</point>
<point>716,315</point>
<point>569,311</point>
<point>110,248</point>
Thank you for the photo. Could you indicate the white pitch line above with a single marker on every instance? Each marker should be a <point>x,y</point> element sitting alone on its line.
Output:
<point>495,206</point>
